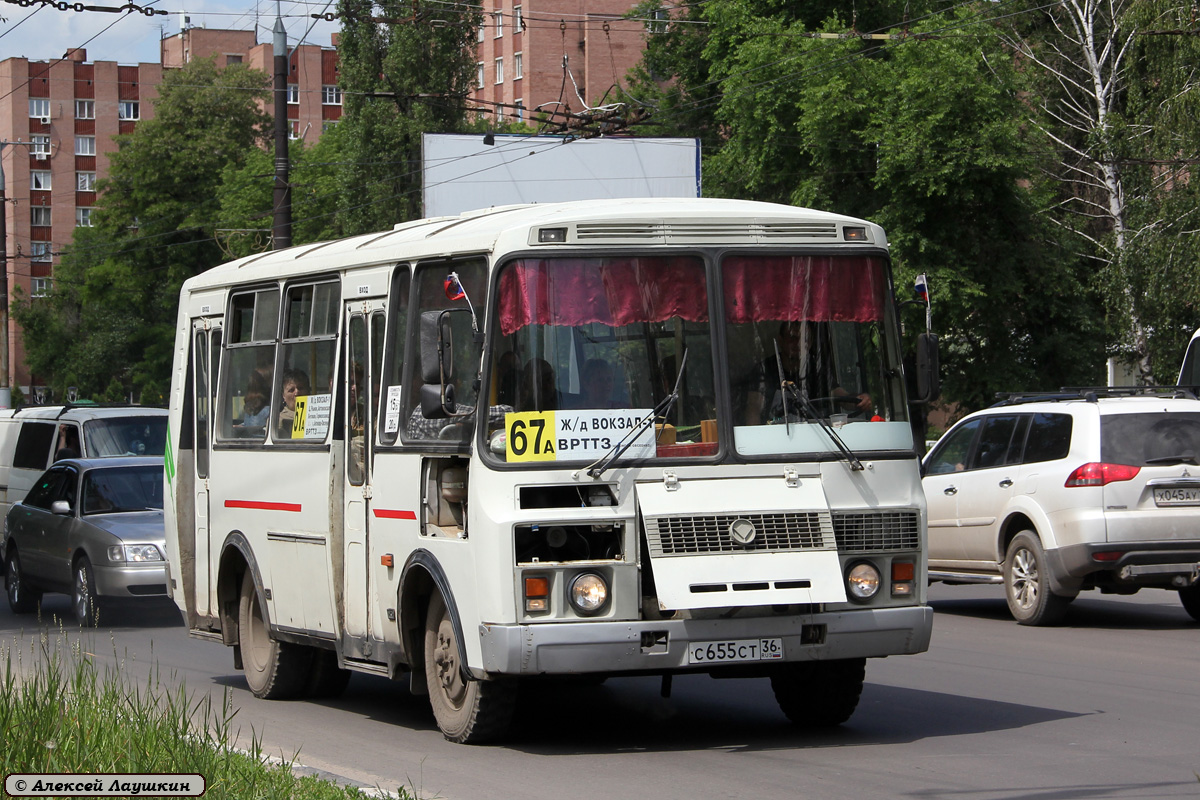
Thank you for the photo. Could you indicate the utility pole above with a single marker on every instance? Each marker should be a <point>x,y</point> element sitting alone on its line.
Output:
<point>281,231</point>
<point>5,388</point>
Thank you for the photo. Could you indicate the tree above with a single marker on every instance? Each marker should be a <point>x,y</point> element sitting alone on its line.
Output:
<point>401,78</point>
<point>113,308</point>
<point>246,198</point>
<point>922,133</point>
<point>1118,102</point>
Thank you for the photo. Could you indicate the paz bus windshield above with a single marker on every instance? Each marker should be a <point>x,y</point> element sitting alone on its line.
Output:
<point>589,346</point>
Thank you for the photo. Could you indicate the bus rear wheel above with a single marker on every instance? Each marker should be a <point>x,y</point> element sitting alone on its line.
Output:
<point>467,711</point>
<point>274,670</point>
<point>819,694</point>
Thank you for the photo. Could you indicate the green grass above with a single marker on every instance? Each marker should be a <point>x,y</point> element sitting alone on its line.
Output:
<point>63,713</point>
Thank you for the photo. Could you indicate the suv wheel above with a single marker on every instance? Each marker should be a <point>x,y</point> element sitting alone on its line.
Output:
<point>1027,585</point>
<point>1190,597</point>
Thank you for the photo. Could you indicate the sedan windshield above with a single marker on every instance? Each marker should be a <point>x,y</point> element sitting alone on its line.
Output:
<point>109,490</point>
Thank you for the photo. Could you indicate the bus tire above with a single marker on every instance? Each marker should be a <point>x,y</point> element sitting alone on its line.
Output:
<point>325,678</point>
<point>819,694</point>
<point>467,711</point>
<point>274,670</point>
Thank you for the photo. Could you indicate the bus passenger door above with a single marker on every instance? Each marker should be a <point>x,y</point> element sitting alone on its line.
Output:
<point>364,356</point>
<point>206,341</point>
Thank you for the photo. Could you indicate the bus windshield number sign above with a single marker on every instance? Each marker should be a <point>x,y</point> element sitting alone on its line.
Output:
<point>575,435</point>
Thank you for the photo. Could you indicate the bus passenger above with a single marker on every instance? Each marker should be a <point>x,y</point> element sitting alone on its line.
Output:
<point>539,389</point>
<point>295,384</point>
<point>805,364</point>
<point>596,385</point>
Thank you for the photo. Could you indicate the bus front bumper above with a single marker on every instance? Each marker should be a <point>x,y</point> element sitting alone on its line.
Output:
<point>567,648</point>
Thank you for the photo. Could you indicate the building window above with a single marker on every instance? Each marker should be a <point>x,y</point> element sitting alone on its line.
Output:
<point>479,74</point>
<point>39,107</point>
<point>41,146</point>
<point>499,70</point>
<point>520,111</point>
<point>85,109</point>
<point>294,94</point>
<point>39,179</point>
<point>129,109</point>
<point>85,181</point>
<point>85,145</point>
<point>293,129</point>
<point>658,23</point>
<point>328,124</point>
<point>234,58</point>
<point>331,96</point>
<point>83,217</point>
<point>39,251</point>
<point>482,32</point>
<point>40,287</point>
<point>499,17</point>
<point>518,66</point>
<point>518,21</point>
<point>39,215</point>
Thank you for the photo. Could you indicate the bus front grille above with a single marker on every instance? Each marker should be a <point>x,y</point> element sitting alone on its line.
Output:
<point>871,531</point>
<point>775,532</point>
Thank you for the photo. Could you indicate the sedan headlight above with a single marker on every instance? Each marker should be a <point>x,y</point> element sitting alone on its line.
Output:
<point>862,581</point>
<point>588,594</point>
<point>134,553</point>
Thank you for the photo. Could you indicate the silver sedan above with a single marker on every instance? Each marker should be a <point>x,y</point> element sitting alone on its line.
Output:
<point>91,528</point>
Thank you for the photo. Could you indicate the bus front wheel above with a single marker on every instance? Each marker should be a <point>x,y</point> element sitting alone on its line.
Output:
<point>467,711</point>
<point>819,694</point>
<point>274,670</point>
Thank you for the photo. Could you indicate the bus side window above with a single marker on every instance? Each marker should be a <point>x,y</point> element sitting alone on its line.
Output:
<point>303,403</point>
<point>244,388</point>
<point>390,415</point>
<point>432,295</point>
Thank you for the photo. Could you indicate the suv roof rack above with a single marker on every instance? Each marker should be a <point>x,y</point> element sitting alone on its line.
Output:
<point>1091,394</point>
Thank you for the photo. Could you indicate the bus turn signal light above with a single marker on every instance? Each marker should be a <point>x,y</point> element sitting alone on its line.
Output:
<point>903,574</point>
<point>537,594</point>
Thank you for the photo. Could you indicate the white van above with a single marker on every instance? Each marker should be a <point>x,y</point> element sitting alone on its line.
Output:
<point>32,437</point>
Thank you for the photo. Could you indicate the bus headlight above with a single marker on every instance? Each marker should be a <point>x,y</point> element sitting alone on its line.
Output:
<point>862,581</point>
<point>588,594</point>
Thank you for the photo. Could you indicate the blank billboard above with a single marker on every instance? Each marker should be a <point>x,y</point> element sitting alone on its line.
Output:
<point>462,173</point>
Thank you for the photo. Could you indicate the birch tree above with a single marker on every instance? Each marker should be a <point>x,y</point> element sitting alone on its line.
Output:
<point>1115,183</point>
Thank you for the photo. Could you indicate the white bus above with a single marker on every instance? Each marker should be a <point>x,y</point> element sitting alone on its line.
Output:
<point>652,489</point>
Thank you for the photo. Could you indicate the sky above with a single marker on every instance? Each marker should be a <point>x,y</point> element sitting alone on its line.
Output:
<point>43,33</point>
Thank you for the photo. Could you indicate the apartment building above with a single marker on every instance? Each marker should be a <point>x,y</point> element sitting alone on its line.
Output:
<point>58,119</point>
<point>544,55</point>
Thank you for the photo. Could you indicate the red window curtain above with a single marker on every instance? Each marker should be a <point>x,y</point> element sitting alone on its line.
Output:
<point>818,288</point>
<point>610,291</point>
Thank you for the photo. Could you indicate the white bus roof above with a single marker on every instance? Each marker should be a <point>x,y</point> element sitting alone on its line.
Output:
<point>624,222</point>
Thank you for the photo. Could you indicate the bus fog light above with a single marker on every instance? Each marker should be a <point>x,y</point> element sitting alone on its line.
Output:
<point>862,581</point>
<point>588,593</point>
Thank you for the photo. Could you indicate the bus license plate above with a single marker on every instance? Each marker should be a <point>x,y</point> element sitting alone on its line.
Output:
<point>736,650</point>
<point>1177,496</point>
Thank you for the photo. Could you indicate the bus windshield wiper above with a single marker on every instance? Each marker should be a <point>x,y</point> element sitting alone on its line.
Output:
<point>661,410</point>
<point>801,398</point>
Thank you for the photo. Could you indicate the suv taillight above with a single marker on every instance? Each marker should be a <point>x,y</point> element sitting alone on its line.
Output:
<point>1100,474</point>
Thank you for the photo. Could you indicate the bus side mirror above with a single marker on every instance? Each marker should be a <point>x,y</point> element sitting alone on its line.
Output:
<point>929,382</point>
<point>437,354</point>
<point>437,401</point>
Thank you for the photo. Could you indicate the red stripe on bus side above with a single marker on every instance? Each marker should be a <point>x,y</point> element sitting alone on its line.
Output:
<point>393,513</point>
<point>261,506</point>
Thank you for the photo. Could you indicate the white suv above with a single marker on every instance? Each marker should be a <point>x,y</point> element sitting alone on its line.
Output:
<point>1052,494</point>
